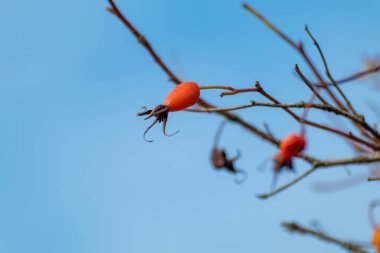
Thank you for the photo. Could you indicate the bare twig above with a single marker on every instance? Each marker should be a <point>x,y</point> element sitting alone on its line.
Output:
<point>309,84</point>
<point>322,164</point>
<point>319,76</point>
<point>271,26</point>
<point>349,135</point>
<point>300,104</point>
<point>332,80</point>
<point>141,39</point>
<point>370,179</point>
<point>299,48</point>
<point>284,187</point>
<point>293,227</point>
<point>354,77</point>
<point>328,73</point>
<point>232,90</point>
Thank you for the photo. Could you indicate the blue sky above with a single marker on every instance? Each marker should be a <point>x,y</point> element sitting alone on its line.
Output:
<point>75,173</point>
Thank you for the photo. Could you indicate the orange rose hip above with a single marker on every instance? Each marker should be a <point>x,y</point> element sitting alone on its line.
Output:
<point>181,97</point>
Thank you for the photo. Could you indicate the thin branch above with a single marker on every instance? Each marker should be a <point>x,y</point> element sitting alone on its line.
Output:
<point>319,77</point>
<point>141,39</point>
<point>296,117</point>
<point>349,135</point>
<point>300,104</point>
<point>271,26</point>
<point>310,85</point>
<point>284,187</point>
<point>293,227</point>
<point>299,48</point>
<point>237,91</point>
<point>232,90</point>
<point>322,164</point>
<point>232,108</point>
<point>267,128</point>
<point>370,179</point>
<point>354,77</point>
<point>332,80</point>
<point>328,73</point>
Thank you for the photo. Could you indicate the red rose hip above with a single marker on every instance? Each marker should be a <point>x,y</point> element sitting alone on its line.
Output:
<point>181,97</point>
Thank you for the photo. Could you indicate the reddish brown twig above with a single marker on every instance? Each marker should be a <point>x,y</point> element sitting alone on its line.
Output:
<point>299,48</point>
<point>317,125</point>
<point>348,103</point>
<point>310,85</point>
<point>373,179</point>
<point>322,164</point>
<point>141,39</point>
<point>354,77</point>
<point>232,90</point>
<point>293,227</point>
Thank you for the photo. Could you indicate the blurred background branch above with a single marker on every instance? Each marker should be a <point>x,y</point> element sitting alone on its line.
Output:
<point>293,227</point>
